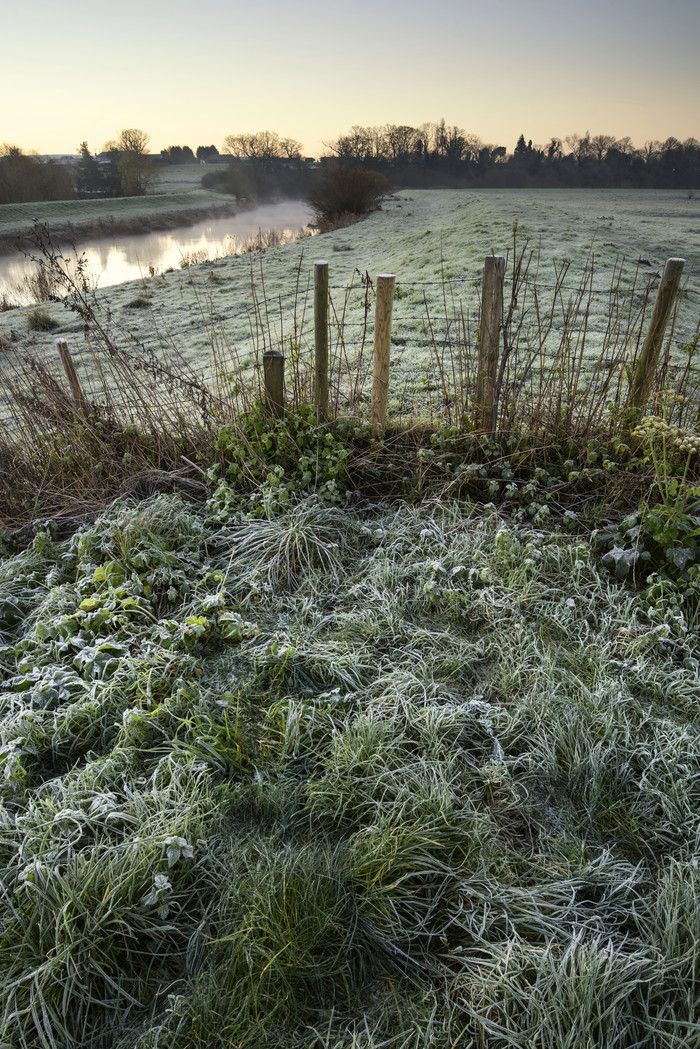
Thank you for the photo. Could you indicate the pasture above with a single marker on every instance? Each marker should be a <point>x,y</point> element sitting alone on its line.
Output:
<point>601,251</point>
<point>82,218</point>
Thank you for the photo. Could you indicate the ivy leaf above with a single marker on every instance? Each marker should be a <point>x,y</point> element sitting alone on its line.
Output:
<point>681,556</point>
<point>620,560</point>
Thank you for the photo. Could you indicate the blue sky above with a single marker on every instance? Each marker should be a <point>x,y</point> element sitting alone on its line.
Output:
<point>191,73</point>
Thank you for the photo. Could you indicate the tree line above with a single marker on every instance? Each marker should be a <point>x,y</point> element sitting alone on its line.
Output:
<point>263,163</point>
<point>124,168</point>
<point>438,154</point>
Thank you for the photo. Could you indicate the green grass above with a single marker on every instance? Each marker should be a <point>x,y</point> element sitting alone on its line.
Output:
<point>280,775</point>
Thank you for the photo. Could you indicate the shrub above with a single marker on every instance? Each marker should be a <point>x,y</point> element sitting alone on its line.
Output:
<point>141,302</point>
<point>41,320</point>
<point>347,191</point>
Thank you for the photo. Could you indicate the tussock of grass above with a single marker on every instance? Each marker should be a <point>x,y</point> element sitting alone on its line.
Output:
<point>317,778</point>
<point>41,320</point>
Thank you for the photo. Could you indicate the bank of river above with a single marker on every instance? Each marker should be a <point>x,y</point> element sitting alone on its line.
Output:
<point>121,257</point>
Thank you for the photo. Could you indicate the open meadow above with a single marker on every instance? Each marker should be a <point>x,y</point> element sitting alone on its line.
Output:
<point>589,262</point>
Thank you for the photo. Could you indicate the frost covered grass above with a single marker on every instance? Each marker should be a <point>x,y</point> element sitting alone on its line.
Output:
<point>18,219</point>
<point>274,774</point>
<point>582,273</point>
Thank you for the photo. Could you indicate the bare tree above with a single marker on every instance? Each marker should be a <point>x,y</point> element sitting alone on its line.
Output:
<point>601,144</point>
<point>262,146</point>
<point>359,145</point>
<point>580,146</point>
<point>400,142</point>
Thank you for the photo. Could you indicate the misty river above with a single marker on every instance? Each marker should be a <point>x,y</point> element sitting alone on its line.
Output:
<point>115,259</point>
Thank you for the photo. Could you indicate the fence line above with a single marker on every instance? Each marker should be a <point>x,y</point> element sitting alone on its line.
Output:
<point>511,362</point>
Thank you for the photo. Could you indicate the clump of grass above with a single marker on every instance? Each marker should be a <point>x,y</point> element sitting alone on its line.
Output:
<point>194,257</point>
<point>289,550</point>
<point>140,302</point>
<point>43,285</point>
<point>256,242</point>
<point>40,319</point>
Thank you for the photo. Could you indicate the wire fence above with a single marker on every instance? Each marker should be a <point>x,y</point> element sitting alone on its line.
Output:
<point>571,344</point>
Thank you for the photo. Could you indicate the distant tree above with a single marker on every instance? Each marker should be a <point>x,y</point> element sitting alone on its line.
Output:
<point>401,141</point>
<point>25,177</point>
<point>361,145</point>
<point>600,144</point>
<point>177,155</point>
<point>451,142</point>
<point>520,147</point>
<point>580,147</point>
<point>204,152</point>
<point>262,146</point>
<point>134,162</point>
<point>555,149</point>
<point>89,177</point>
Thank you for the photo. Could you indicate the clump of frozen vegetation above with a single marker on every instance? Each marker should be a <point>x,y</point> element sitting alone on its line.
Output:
<point>302,777</point>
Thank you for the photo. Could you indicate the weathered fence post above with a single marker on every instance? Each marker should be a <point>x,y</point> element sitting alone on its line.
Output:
<point>645,367</point>
<point>72,376</point>
<point>273,369</point>
<point>321,339</point>
<point>382,349</point>
<point>489,340</point>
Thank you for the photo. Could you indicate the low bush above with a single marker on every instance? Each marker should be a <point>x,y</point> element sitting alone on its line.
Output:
<point>345,191</point>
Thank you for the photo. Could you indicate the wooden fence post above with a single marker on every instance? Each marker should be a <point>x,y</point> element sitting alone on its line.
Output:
<point>489,341</point>
<point>273,368</point>
<point>382,349</point>
<point>72,376</point>
<point>645,367</point>
<point>321,339</point>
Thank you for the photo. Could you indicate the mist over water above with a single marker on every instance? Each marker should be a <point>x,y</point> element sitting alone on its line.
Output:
<point>115,259</point>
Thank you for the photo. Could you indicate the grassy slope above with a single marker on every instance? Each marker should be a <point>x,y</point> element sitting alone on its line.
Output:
<point>298,777</point>
<point>424,237</point>
<point>19,218</point>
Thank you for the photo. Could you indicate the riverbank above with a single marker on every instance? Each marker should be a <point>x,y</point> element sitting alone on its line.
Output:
<point>74,220</point>
<point>122,256</point>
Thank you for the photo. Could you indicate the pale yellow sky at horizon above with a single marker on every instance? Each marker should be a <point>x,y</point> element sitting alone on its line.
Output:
<point>311,70</point>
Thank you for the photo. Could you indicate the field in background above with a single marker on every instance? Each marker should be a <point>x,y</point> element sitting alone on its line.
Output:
<point>174,177</point>
<point>98,216</point>
<point>600,250</point>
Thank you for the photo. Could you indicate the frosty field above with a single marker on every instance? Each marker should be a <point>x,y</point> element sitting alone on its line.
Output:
<point>317,779</point>
<point>435,243</point>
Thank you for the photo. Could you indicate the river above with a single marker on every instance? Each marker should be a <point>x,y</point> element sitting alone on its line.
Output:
<point>115,259</point>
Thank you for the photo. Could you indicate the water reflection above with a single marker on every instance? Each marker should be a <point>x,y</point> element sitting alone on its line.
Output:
<point>113,260</point>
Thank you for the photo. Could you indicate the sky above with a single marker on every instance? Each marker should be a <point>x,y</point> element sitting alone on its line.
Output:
<point>190,73</point>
